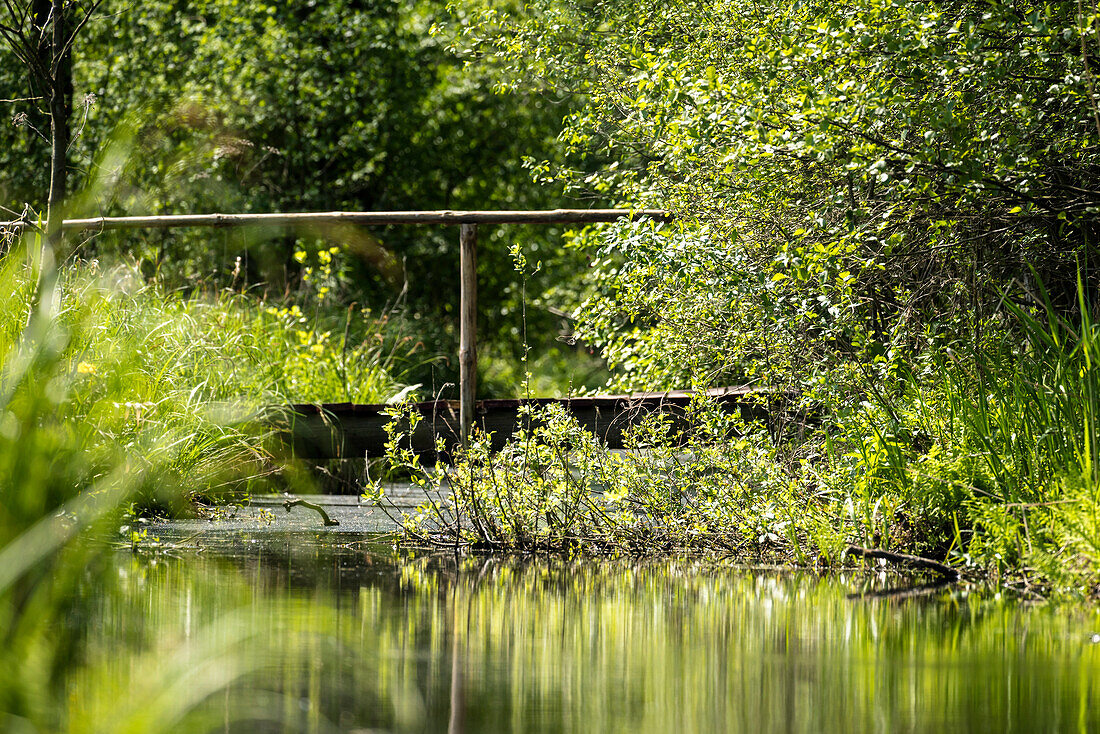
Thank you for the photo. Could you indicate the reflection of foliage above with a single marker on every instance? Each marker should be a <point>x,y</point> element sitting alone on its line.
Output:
<point>369,639</point>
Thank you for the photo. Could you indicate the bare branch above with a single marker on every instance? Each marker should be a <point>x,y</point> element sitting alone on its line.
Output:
<point>15,16</point>
<point>79,25</point>
<point>19,17</point>
<point>24,49</point>
<point>88,103</point>
<point>25,53</point>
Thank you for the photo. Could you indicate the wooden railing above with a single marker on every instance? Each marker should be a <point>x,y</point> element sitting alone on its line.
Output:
<point>467,221</point>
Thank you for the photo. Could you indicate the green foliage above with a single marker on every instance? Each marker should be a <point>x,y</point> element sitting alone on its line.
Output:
<point>986,458</point>
<point>120,375</point>
<point>232,350</point>
<point>93,417</point>
<point>990,457</point>
<point>849,175</point>
<point>136,370</point>
<point>717,485</point>
<point>252,107</point>
<point>868,194</point>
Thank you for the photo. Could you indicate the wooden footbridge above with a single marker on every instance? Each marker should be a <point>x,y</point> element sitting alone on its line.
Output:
<point>347,430</point>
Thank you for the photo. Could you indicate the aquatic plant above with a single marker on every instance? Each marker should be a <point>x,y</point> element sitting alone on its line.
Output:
<point>991,453</point>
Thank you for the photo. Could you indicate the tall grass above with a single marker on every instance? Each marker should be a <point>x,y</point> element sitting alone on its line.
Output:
<point>227,345</point>
<point>990,457</point>
<point>90,419</point>
<point>112,393</point>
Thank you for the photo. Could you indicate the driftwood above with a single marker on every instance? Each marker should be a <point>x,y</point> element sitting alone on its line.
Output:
<point>905,559</point>
<point>292,219</point>
<point>329,522</point>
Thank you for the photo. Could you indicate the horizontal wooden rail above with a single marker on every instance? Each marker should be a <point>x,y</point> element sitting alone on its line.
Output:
<point>469,220</point>
<point>290,219</point>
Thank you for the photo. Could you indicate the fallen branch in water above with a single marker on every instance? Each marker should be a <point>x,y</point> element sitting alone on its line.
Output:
<point>311,506</point>
<point>906,559</point>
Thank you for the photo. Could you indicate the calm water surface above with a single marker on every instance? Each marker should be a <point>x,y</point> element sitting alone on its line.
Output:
<point>330,633</point>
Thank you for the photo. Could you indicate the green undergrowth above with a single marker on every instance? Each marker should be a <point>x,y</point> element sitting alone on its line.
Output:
<point>119,398</point>
<point>140,371</point>
<point>717,484</point>
<point>984,459</point>
<point>991,459</point>
<point>110,374</point>
<point>97,412</point>
<point>230,346</point>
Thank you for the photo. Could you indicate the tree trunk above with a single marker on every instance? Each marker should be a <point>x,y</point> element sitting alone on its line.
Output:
<point>60,106</point>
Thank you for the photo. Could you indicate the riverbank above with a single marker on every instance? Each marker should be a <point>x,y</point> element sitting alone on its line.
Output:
<point>984,462</point>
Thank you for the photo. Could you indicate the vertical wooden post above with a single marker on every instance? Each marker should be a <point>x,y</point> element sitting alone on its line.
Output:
<point>457,724</point>
<point>467,334</point>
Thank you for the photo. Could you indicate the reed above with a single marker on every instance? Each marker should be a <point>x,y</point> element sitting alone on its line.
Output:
<point>991,457</point>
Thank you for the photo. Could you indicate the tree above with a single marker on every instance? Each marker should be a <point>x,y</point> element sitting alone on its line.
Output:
<point>856,180</point>
<point>214,105</point>
<point>41,34</point>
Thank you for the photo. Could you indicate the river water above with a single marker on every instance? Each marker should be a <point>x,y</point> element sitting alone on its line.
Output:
<point>262,628</point>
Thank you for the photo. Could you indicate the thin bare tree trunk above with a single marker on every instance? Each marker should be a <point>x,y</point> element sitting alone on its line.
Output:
<point>60,92</point>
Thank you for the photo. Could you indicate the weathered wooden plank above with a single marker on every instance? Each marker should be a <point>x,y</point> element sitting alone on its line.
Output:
<point>293,219</point>
<point>346,430</point>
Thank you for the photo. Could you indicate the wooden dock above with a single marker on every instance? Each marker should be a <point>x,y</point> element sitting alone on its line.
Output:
<point>350,431</point>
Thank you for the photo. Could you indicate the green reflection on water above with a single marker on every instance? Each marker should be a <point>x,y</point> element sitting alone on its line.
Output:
<point>319,638</point>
